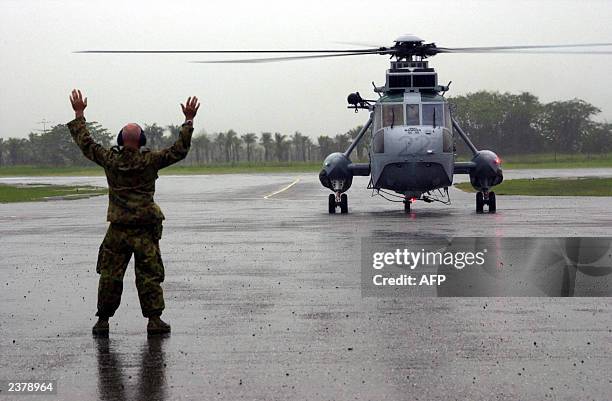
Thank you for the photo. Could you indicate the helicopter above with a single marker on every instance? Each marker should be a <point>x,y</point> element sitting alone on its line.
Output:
<point>412,153</point>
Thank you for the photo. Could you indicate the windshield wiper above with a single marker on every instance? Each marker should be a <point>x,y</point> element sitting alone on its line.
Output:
<point>434,117</point>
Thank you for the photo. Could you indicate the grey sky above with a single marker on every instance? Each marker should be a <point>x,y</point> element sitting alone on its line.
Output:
<point>38,68</point>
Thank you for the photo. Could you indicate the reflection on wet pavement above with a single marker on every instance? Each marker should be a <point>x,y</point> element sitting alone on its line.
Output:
<point>264,298</point>
<point>112,380</point>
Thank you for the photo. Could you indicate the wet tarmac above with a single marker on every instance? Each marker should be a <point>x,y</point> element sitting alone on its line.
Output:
<point>263,293</point>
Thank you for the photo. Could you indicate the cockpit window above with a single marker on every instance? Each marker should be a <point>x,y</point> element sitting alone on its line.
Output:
<point>433,114</point>
<point>412,114</point>
<point>393,115</point>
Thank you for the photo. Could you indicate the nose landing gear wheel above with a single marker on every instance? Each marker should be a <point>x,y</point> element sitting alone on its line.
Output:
<point>407,206</point>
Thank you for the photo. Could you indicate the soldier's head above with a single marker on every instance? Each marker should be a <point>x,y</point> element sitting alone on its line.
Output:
<point>131,136</point>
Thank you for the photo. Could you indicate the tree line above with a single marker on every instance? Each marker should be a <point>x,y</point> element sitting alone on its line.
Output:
<point>504,122</point>
<point>513,124</point>
<point>56,148</point>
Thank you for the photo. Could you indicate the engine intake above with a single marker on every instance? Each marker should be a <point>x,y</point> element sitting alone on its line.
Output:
<point>487,171</point>
<point>336,174</point>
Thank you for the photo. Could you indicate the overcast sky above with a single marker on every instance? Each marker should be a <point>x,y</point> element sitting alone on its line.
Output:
<point>39,69</point>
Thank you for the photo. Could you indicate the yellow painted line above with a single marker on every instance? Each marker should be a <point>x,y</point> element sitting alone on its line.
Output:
<point>282,189</point>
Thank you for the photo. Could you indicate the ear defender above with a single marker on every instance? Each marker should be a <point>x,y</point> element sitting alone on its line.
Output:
<point>142,141</point>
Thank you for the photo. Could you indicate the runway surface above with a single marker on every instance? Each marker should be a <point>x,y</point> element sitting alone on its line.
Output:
<point>263,293</point>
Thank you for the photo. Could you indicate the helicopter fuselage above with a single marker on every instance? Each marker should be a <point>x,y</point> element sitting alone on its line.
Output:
<point>411,149</point>
<point>412,146</point>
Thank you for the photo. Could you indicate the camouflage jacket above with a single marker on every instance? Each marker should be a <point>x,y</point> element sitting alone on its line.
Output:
<point>131,174</point>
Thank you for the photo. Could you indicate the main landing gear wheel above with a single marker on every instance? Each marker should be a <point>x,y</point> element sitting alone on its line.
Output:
<point>344,203</point>
<point>407,206</point>
<point>492,203</point>
<point>479,202</point>
<point>486,199</point>
<point>333,203</point>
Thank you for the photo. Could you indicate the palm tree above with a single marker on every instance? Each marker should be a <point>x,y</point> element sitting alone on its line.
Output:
<point>236,146</point>
<point>174,134</point>
<point>155,136</point>
<point>17,149</point>
<point>306,145</point>
<point>280,144</point>
<point>266,142</point>
<point>202,148</point>
<point>325,146</point>
<point>221,148</point>
<point>249,139</point>
<point>342,142</point>
<point>296,140</point>
<point>362,146</point>
<point>230,137</point>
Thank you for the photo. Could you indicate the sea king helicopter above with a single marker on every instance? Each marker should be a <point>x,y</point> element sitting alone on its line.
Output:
<point>412,146</point>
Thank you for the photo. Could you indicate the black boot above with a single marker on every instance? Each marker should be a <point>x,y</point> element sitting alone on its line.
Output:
<point>100,328</point>
<point>157,326</point>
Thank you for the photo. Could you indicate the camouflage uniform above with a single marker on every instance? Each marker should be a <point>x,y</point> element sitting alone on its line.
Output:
<point>135,219</point>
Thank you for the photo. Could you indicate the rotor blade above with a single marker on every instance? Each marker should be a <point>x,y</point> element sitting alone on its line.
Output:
<point>527,47</point>
<point>582,52</point>
<point>228,51</point>
<point>289,58</point>
<point>358,44</point>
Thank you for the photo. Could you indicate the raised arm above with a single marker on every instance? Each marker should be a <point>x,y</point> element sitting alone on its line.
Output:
<point>78,129</point>
<point>178,151</point>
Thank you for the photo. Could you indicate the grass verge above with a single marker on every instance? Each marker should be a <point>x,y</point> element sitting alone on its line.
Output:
<point>239,168</point>
<point>533,161</point>
<point>42,192</point>
<point>591,186</point>
<point>550,160</point>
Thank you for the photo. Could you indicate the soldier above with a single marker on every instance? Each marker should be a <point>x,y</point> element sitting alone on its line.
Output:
<point>135,219</point>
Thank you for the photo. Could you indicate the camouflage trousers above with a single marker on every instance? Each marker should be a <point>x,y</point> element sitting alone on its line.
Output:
<point>120,242</point>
